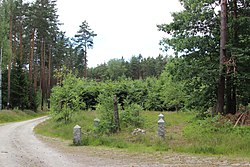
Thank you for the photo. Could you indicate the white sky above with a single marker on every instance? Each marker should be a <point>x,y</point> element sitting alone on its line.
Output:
<point>123,27</point>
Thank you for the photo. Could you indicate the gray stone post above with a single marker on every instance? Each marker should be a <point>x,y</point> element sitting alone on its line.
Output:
<point>77,135</point>
<point>160,116</point>
<point>161,128</point>
<point>96,122</point>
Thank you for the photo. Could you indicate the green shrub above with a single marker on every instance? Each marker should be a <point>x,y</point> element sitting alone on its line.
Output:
<point>130,116</point>
<point>106,109</point>
<point>65,98</point>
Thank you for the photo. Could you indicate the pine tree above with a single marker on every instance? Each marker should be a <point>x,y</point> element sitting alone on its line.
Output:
<point>19,87</point>
<point>84,40</point>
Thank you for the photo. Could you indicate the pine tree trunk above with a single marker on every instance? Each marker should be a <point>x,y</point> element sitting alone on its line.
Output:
<point>14,55</point>
<point>221,84</point>
<point>1,57</point>
<point>49,73</point>
<point>229,81</point>
<point>35,77</point>
<point>231,78</point>
<point>42,73</point>
<point>9,72</point>
<point>85,62</point>
<point>116,116</point>
<point>85,65</point>
<point>45,83</point>
<point>35,71</point>
<point>9,65</point>
<point>234,103</point>
<point>21,44</point>
<point>31,59</point>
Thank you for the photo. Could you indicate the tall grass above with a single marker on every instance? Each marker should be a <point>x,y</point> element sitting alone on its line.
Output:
<point>211,136</point>
<point>18,115</point>
<point>184,133</point>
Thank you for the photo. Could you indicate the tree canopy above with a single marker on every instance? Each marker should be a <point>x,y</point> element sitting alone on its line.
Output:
<point>195,37</point>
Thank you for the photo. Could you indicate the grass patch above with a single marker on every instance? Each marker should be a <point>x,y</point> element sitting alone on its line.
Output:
<point>125,140</point>
<point>18,115</point>
<point>184,133</point>
<point>210,136</point>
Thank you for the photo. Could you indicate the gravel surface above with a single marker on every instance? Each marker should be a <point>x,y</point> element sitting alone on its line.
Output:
<point>20,147</point>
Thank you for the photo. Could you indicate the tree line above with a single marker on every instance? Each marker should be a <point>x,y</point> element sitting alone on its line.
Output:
<point>33,46</point>
<point>154,94</point>
<point>210,65</point>
<point>34,53</point>
<point>135,68</point>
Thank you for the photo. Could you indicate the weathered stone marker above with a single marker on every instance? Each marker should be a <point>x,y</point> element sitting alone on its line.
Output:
<point>160,116</point>
<point>161,128</point>
<point>77,135</point>
<point>96,122</point>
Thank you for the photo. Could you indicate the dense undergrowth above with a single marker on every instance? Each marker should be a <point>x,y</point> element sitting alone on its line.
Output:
<point>76,101</point>
<point>213,136</point>
<point>184,133</point>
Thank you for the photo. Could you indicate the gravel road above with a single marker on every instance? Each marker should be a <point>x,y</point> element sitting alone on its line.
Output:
<point>20,147</point>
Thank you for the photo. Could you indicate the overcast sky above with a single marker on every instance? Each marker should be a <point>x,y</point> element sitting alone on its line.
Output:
<point>123,27</point>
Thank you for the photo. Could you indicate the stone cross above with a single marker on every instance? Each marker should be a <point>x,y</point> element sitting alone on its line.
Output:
<point>161,128</point>
<point>77,135</point>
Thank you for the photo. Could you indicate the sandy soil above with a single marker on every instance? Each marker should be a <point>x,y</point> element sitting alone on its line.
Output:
<point>20,147</point>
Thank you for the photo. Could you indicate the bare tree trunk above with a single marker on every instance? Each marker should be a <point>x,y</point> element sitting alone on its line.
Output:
<point>235,15</point>
<point>9,65</point>
<point>9,72</point>
<point>31,59</point>
<point>229,86</point>
<point>42,72</point>
<point>21,43</point>
<point>35,77</point>
<point>231,76</point>
<point>14,55</point>
<point>49,73</point>
<point>116,116</point>
<point>85,61</point>
<point>221,84</point>
<point>85,65</point>
<point>1,56</point>
<point>45,83</point>
<point>235,43</point>
<point>35,71</point>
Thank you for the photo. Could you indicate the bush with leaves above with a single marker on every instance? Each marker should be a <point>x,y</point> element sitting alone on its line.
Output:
<point>89,93</point>
<point>106,109</point>
<point>153,101</point>
<point>172,94</point>
<point>133,91</point>
<point>65,98</point>
<point>130,116</point>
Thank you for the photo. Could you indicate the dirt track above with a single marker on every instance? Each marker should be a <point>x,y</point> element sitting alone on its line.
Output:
<point>19,147</point>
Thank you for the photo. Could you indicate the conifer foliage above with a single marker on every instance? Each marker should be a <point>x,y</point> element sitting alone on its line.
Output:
<point>211,37</point>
